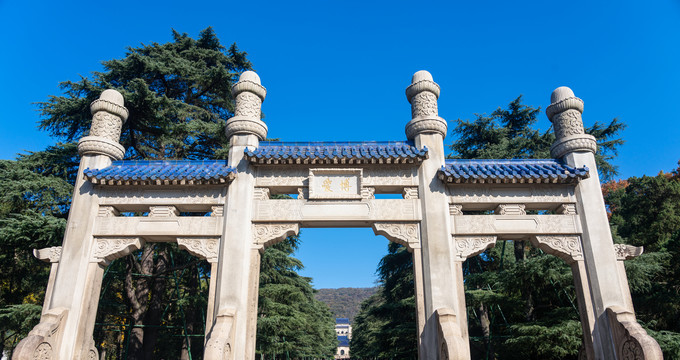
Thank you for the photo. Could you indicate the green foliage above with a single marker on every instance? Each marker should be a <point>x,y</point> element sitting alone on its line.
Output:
<point>291,321</point>
<point>344,302</point>
<point>33,210</point>
<point>178,95</point>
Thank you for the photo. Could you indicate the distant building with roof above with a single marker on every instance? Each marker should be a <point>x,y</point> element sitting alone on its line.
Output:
<point>343,330</point>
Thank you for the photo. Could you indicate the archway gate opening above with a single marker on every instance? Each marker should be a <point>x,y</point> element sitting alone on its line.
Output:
<point>336,185</point>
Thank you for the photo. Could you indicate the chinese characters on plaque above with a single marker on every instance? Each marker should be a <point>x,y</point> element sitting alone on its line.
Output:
<point>335,183</point>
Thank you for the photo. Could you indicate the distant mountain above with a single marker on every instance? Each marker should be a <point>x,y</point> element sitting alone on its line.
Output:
<point>345,302</point>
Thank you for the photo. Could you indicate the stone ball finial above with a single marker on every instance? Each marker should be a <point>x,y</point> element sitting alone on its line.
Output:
<point>249,95</point>
<point>565,112</point>
<point>561,93</point>
<point>112,96</point>
<point>423,94</point>
<point>108,116</point>
<point>420,76</point>
<point>250,76</point>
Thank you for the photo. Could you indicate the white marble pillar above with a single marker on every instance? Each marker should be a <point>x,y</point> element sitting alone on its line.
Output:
<point>444,334</point>
<point>228,337</point>
<point>578,149</point>
<point>65,329</point>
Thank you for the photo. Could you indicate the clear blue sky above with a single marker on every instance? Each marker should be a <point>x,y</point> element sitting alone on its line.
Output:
<point>337,70</point>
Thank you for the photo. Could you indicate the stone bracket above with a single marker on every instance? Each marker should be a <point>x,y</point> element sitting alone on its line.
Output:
<point>266,234</point>
<point>50,254</point>
<point>627,252</point>
<point>567,248</point>
<point>204,248</point>
<point>469,246</point>
<point>404,233</point>
<point>106,250</point>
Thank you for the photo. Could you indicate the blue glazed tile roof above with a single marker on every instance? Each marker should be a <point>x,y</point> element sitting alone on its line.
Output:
<point>162,172</point>
<point>510,171</point>
<point>343,341</point>
<point>342,320</point>
<point>381,152</point>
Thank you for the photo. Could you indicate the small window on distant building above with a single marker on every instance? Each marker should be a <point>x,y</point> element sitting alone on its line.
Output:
<point>342,352</point>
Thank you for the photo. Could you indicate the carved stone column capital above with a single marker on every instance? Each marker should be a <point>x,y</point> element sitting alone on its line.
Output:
<point>204,248</point>
<point>265,234</point>
<point>468,246</point>
<point>106,250</point>
<point>565,113</point>
<point>108,116</point>
<point>423,94</point>
<point>407,234</point>
<point>567,248</point>
<point>249,94</point>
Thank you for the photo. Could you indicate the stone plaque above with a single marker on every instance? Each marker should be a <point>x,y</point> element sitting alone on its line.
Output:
<point>335,183</point>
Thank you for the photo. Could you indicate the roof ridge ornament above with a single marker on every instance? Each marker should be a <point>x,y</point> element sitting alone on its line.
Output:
<point>423,94</point>
<point>565,112</point>
<point>249,95</point>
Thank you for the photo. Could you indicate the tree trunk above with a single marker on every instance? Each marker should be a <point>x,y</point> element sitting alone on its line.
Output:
<point>486,329</point>
<point>190,315</point>
<point>137,292</point>
<point>520,254</point>
<point>155,311</point>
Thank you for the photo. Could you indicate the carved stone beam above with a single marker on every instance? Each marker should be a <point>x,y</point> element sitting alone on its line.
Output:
<point>261,193</point>
<point>567,248</point>
<point>107,211</point>
<point>265,234</point>
<point>627,252</point>
<point>410,192</point>
<point>217,210</point>
<point>163,211</point>
<point>106,250</point>
<point>469,246</point>
<point>630,339</point>
<point>204,248</point>
<point>404,233</point>
<point>510,209</point>
<point>566,209</point>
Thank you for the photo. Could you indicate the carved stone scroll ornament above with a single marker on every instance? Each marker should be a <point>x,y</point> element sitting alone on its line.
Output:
<point>567,248</point>
<point>468,246</point>
<point>218,343</point>
<point>266,234</point>
<point>106,250</point>
<point>631,340</point>
<point>455,209</point>
<point>627,252</point>
<point>407,234</point>
<point>50,254</point>
<point>42,343</point>
<point>410,193</point>
<point>204,248</point>
<point>261,193</point>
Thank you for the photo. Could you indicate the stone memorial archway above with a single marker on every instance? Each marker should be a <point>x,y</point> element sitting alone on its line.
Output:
<point>336,185</point>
